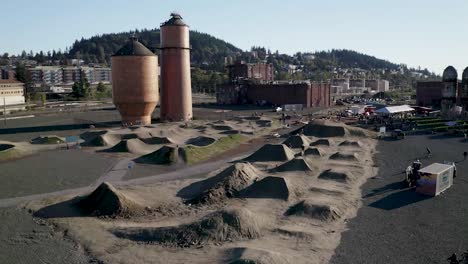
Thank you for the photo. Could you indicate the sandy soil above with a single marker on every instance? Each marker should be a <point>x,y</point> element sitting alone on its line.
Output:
<point>23,240</point>
<point>298,217</point>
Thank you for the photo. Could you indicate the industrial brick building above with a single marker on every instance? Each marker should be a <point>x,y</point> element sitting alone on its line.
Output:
<point>11,90</point>
<point>308,94</point>
<point>258,71</point>
<point>429,93</point>
<point>445,94</point>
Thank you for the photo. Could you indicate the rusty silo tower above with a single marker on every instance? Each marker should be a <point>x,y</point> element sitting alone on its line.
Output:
<point>135,82</point>
<point>449,92</point>
<point>176,91</point>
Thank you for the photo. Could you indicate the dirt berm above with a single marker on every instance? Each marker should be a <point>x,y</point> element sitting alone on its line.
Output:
<point>47,140</point>
<point>344,156</point>
<point>108,201</point>
<point>334,175</point>
<point>297,164</point>
<point>321,142</point>
<point>4,147</point>
<point>226,184</point>
<point>297,141</point>
<point>314,210</point>
<point>313,152</point>
<point>201,141</point>
<point>166,155</point>
<point>272,152</point>
<point>348,143</point>
<point>268,188</point>
<point>255,256</point>
<point>325,129</point>
<point>231,224</point>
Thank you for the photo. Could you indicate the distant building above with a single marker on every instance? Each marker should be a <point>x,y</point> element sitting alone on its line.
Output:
<point>56,75</point>
<point>11,92</point>
<point>47,75</point>
<point>429,93</point>
<point>445,94</point>
<point>309,94</point>
<point>258,71</point>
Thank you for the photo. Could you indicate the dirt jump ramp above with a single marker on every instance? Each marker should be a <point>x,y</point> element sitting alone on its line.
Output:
<point>272,152</point>
<point>226,225</point>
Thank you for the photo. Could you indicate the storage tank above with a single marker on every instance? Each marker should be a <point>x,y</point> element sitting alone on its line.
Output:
<point>449,91</point>
<point>135,83</point>
<point>176,92</point>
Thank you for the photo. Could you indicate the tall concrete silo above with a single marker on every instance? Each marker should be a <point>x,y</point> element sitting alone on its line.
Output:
<point>176,92</point>
<point>449,92</point>
<point>135,83</point>
<point>463,90</point>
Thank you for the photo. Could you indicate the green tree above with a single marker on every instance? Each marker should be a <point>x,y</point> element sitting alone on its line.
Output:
<point>101,87</point>
<point>22,76</point>
<point>82,88</point>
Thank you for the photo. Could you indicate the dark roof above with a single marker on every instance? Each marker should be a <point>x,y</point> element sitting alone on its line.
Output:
<point>134,48</point>
<point>450,74</point>
<point>175,20</point>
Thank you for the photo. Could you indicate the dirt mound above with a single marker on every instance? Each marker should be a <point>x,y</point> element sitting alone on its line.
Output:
<point>157,140</point>
<point>252,118</point>
<point>90,135</point>
<point>297,141</point>
<point>230,132</point>
<point>47,140</point>
<point>297,164</point>
<point>344,156</point>
<point>222,127</point>
<point>108,201</point>
<point>226,184</point>
<point>128,136</point>
<point>334,175</point>
<point>264,123</point>
<point>348,143</point>
<point>200,141</point>
<point>325,129</point>
<point>255,256</point>
<point>4,147</point>
<point>268,188</point>
<point>231,224</point>
<point>128,146</point>
<point>166,155</point>
<point>317,211</point>
<point>313,152</point>
<point>321,142</point>
<point>272,152</point>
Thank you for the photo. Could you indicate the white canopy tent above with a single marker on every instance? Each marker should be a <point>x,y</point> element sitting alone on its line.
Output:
<point>395,109</point>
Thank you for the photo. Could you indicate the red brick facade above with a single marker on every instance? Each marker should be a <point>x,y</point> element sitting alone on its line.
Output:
<point>259,71</point>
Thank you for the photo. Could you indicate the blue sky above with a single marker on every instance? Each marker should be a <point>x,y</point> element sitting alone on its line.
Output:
<point>429,33</point>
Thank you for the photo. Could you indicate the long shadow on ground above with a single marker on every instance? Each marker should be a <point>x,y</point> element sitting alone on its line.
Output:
<point>399,199</point>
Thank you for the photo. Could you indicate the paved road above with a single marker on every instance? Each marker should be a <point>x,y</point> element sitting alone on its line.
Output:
<point>396,225</point>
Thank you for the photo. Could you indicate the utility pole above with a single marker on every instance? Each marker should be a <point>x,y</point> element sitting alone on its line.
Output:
<point>4,111</point>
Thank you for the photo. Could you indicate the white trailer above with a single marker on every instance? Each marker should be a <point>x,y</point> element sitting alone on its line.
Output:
<point>435,178</point>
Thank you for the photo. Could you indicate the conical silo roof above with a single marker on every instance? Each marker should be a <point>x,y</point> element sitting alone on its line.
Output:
<point>134,48</point>
<point>450,74</point>
<point>175,20</point>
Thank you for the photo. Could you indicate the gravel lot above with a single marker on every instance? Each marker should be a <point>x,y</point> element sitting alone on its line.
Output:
<point>396,225</point>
